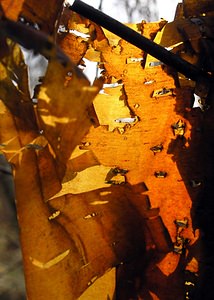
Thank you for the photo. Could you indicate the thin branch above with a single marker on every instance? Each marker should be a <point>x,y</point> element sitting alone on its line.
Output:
<point>133,37</point>
<point>100,5</point>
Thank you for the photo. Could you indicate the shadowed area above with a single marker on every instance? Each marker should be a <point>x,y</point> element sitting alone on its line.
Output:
<point>11,273</point>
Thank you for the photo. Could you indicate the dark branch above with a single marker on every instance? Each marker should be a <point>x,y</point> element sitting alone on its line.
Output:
<point>100,5</point>
<point>131,36</point>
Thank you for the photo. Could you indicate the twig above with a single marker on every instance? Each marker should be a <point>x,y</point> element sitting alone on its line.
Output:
<point>133,37</point>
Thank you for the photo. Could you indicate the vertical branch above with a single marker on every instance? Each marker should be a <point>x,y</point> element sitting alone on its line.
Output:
<point>100,5</point>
